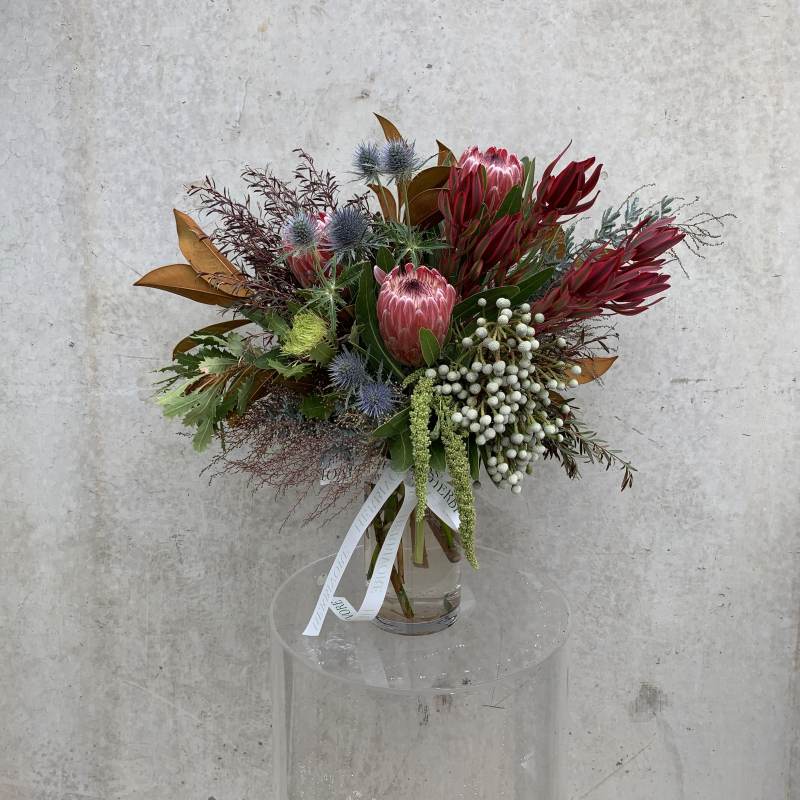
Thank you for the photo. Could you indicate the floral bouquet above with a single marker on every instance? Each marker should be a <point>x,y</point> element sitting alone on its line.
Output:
<point>407,339</point>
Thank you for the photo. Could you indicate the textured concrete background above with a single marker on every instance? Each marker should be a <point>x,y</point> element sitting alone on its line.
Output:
<point>134,652</point>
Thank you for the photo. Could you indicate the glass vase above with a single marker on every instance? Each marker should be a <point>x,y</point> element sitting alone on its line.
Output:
<point>424,592</point>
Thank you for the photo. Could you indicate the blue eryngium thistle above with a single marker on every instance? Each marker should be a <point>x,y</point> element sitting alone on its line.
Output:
<point>366,160</point>
<point>300,231</point>
<point>346,228</point>
<point>348,371</point>
<point>376,399</point>
<point>398,159</point>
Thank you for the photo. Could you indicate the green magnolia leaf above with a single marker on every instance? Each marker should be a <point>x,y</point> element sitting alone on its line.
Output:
<point>401,452</point>
<point>367,317</point>
<point>429,346</point>
<point>469,308</point>
<point>313,407</point>
<point>511,203</point>
<point>528,287</point>
<point>393,426</point>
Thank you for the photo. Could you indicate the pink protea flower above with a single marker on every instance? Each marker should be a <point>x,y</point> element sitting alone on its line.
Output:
<point>305,244</point>
<point>503,172</point>
<point>412,298</point>
<point>466,192</point>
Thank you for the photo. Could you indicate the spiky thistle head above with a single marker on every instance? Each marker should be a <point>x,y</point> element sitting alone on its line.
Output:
<point>376,399</point>
<point>346,228</point>
<point>308,330</point>
<point>398,159</point>
<point>348,371</point>
<point>366,160</point>
<point>301,231</point>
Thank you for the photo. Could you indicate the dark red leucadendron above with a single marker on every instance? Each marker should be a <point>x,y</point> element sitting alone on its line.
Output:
<point>615,280</point>
<point>565,194</point>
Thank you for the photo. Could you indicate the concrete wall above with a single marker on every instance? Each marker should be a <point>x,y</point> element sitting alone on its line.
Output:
<point>133,596</point>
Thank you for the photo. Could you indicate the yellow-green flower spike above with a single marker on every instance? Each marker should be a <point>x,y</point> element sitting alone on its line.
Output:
<point>455,452</point>
<point>308,330</point>
<point>419,416</point>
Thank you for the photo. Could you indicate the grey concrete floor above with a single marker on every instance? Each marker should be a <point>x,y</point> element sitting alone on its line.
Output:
<point>134,651</point>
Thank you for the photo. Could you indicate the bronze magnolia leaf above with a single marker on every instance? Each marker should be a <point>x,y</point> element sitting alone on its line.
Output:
<point>217,328</point>
<point>389,129</point>
<point>593,368</point>
<point>430,178</point>
<point>205,259</point>
<point>423,195</point>
<point>446,157</point>
<point>425,208</point>
<point>387,202</point>
<point>183,280</point>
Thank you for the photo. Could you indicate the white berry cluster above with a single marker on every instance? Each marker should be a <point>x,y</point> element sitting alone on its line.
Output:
<point>505,391</point>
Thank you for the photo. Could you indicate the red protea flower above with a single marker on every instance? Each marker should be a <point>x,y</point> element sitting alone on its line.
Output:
<point>616,280</point>
<point>563,195</point>
<point>306,247</point>
<point>412,298</point>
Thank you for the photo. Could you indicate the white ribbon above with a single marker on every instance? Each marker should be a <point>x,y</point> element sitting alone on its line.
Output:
<point>440,500</point>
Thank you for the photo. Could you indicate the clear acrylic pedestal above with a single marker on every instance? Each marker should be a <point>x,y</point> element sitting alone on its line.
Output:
<point>474,712</point>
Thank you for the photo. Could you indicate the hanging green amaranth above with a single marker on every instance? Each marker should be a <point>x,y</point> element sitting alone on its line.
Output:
<point>455,451</point>
<point>419,416</point>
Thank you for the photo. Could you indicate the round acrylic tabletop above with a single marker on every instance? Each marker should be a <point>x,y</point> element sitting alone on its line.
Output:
<point>512,619</point>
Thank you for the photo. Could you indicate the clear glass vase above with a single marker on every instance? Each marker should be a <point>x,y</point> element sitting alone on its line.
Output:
<point>425,587</point>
